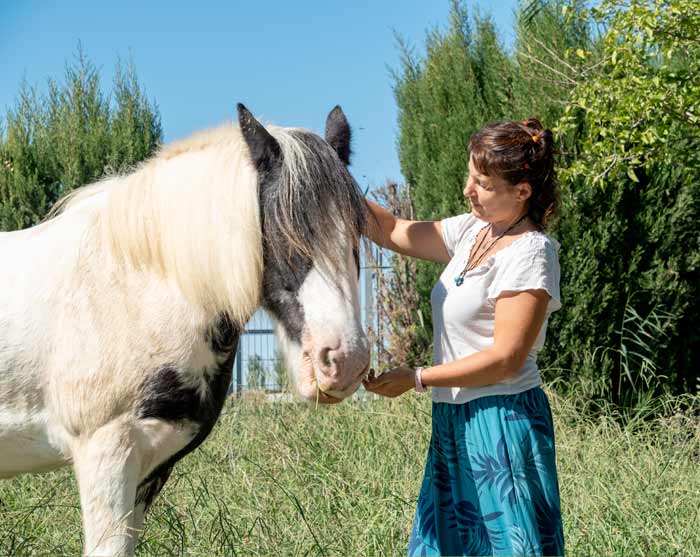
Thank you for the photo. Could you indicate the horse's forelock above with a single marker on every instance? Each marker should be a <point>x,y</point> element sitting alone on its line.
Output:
<point>315,200</point>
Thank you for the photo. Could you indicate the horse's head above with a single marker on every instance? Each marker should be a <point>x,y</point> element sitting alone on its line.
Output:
<point>312,216</point>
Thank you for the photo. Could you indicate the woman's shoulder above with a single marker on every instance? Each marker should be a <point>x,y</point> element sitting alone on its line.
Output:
<point>534,253</point>
<point>542,240</point>
<point>531,262</point>
<point>533,243</point>
<point>457,228</point>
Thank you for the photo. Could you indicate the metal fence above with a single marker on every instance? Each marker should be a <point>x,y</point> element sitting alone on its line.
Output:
<point>259,364</point>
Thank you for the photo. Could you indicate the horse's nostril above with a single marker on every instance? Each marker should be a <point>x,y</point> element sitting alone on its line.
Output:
<point>325,357</point>
<point>330,359</point>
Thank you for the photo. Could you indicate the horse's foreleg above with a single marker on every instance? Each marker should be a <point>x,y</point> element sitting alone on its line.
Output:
<point>147,491</point>
<point>107,466</point>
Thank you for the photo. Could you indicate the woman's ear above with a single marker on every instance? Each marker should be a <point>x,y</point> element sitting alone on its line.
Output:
<point>524,191</point>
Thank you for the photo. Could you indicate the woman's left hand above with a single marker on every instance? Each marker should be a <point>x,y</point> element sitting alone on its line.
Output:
<point>392,383</point>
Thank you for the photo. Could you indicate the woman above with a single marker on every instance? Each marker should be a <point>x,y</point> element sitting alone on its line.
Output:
<point>490,484</point>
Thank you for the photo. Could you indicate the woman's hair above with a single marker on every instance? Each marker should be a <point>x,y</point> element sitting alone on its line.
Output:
<point>520,152</point>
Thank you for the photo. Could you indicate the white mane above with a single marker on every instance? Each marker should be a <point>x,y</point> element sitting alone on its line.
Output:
<point>191,214</point>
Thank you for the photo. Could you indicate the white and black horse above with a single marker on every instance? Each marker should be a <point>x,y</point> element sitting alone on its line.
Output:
<point>120,315</point>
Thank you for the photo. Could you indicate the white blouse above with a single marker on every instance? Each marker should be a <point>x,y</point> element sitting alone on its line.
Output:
<point>463,316</point>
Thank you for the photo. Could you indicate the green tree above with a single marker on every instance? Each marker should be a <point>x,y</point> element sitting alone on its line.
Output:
<point>631,198</point>
<point>546,71</point>
<point>72,135</point>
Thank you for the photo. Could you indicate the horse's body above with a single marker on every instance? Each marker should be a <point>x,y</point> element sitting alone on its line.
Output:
<point>119,317</point>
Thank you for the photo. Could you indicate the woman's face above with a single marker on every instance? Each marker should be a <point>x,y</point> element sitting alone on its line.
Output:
<point>492,198</point>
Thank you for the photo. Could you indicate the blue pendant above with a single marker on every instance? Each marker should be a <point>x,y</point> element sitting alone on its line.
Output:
<point>459,280</point>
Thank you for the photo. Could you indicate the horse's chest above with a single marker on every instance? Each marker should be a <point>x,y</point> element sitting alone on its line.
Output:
<point>184,401</point>
<point>190,395</point>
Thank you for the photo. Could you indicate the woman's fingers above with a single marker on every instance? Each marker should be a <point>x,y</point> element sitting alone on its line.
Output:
<point>374,384</point>
<point>380,381</point>
<point>383,384</point>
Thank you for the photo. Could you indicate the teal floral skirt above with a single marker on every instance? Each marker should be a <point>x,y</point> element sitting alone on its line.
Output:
<point>490,485</point>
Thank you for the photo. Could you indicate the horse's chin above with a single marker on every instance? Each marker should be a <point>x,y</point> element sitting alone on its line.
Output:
<point>309,391</point>
<point>308,388</point>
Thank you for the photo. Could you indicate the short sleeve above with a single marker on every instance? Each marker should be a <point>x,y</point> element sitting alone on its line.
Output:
<point>454,229</point>
<point>534,265</point>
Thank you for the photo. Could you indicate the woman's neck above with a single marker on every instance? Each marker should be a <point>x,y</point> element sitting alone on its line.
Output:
<point>499,227</point>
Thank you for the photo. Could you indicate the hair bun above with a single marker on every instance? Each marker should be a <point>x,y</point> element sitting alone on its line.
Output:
<point>533,123</point>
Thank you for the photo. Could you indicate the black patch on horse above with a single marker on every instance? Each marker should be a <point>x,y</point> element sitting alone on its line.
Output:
<point>166,398</point>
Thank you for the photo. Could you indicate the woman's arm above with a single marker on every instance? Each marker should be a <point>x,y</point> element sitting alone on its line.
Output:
<point>421,239</point>
<point>519,317</point>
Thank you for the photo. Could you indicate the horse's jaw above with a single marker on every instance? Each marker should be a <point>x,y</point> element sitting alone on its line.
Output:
<point>305,376</point>
<point>312,389</point>
<point>307,385</point>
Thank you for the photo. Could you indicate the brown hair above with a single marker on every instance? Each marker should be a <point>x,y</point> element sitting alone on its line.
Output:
<point>520,152</point>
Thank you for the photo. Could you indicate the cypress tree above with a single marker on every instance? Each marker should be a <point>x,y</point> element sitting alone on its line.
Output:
<point>70,136</point>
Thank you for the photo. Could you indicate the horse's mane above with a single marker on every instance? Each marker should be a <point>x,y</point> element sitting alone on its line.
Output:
<point>191,213</point>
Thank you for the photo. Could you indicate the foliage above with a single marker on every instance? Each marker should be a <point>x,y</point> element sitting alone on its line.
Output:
<point>281,372</point>
<point>640,95</point>
<point>72,135</point>
<point>256,372</point>
<point>546,70</point>
<point>402,336</point>
<point>631,198</point>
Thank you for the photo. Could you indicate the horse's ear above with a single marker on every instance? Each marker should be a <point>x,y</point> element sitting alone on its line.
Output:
<point>264,149</point>
<point>338,133</point>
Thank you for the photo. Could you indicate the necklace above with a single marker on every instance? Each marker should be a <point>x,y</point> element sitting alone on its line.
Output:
<point>469,266</point>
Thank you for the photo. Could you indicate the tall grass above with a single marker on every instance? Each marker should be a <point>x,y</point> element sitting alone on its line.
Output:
<point>288,479</point>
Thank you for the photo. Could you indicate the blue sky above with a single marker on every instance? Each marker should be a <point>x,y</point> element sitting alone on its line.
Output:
<point>290,62</point>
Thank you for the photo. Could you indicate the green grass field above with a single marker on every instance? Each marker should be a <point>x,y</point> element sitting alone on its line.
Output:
<point>289,479</point>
